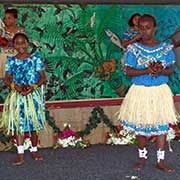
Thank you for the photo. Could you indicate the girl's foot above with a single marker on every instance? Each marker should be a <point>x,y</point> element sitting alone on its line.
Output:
<point>140,164</point>
<point>162,166</point>
<point>19,161</point>
<point>36,156</point>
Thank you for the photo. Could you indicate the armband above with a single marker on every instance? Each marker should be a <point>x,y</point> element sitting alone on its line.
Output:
<point>12,85</point>
<point>34,86</point>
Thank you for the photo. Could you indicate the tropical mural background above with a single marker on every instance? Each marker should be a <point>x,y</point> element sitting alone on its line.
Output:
<point>81,62</point>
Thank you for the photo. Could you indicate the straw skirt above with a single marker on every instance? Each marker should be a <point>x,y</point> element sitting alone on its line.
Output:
<point>148,110</point>
<point>24,113</point>
<point>2,64</point>
<point>3,57</point>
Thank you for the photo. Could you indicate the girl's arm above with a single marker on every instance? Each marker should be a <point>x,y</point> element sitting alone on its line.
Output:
<point>133,40</point>
<point>8,79</point>
<point>166,72</point>
<point>150,70</point>
<point>9,82</point>
<point>42,78</point>
<point>136,72</point>
<point>41,81</point>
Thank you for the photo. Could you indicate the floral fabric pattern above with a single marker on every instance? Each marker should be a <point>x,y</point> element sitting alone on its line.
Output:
<point>24,113</point>
<point>139,57</point>
<point>129,34</point>
<point>25,71</point>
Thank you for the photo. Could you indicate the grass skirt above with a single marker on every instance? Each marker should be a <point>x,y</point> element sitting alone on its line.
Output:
<point>148,110</point>
<point>24,113</point>
<point>3,57</point>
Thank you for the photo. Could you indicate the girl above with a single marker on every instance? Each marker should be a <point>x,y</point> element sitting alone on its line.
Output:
<point>148,107</point>
<point>10,29</point>
<point>24,107</point>
<point>132,34</point>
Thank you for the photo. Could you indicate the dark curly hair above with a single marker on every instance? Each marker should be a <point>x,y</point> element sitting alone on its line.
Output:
<point>20,34</point>
<point>14,12</point>
<point>130,22</point>
<point>150,17</point>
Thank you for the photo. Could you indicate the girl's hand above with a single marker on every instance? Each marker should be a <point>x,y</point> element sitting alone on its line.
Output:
<point>156,68</point>
<point>137,37</point>
<point>28,90</point>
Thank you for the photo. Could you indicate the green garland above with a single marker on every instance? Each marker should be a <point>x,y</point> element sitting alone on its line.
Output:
<point>97,116</point>
<point>4,139</point>
<point>50,120</point>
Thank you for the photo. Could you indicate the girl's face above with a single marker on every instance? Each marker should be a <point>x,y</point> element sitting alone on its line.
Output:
<point>21,44</point>
<point>9,19</point>
<point>136,20</point>
<point>147,29</point>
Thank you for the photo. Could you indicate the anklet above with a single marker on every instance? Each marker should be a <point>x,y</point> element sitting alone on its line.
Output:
<point>143,153</point>
<point>20,149</point>
<point>160,155</point>
<point>33,149</point>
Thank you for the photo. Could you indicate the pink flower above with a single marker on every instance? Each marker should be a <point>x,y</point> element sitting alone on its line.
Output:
<point>67,132</point>
<point>175,127</point>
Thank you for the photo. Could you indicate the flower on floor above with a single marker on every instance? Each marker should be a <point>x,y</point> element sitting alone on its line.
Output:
<point>121,137</point>
<point>174,132</point>
<point>69,138</point>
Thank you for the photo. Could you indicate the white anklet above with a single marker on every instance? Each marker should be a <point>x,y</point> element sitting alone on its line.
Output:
<point>20,149</point>
<point>160,155</point>
<point>143,153</point>
<point>33,149</point>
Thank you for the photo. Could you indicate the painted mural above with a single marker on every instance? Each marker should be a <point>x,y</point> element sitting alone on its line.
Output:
<point>81,61</point>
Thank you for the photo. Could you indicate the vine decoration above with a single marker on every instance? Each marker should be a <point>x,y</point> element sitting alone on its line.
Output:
<point>97,116</point>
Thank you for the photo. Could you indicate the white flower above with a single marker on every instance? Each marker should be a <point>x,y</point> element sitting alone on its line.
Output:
<point>67,125</point>
<point>127,138</point>
<point>27,143</point>
<point>171,134</point>
<point>71,142</point>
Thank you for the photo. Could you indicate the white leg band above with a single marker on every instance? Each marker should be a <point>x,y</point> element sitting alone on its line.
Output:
<point>33,149</point>
<point>143,153</point>
<point>20,149</point>
<point>160,155</point>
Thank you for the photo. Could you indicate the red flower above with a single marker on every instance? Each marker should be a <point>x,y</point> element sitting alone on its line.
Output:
<point>175,127</point>
<point>120,127</point>
<point>3,41</point>
<point>178,133</point>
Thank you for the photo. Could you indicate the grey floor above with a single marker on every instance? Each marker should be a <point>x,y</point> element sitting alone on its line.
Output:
<point>97,162</point>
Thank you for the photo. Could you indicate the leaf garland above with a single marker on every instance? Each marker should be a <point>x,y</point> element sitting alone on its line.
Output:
<point>97,116</point>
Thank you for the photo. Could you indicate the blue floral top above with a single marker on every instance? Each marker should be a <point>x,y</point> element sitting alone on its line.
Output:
<point>140,56</point>
<point>129,34</point>
<point>25,71</point>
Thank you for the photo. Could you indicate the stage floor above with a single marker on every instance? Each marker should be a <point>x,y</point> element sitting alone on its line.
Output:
<point>98,162</point>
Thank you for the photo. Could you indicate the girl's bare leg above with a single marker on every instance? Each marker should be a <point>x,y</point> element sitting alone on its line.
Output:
<point>142,141</point>
<point>20,150</point>
<point>34,140</point>
<point>161,141</point>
